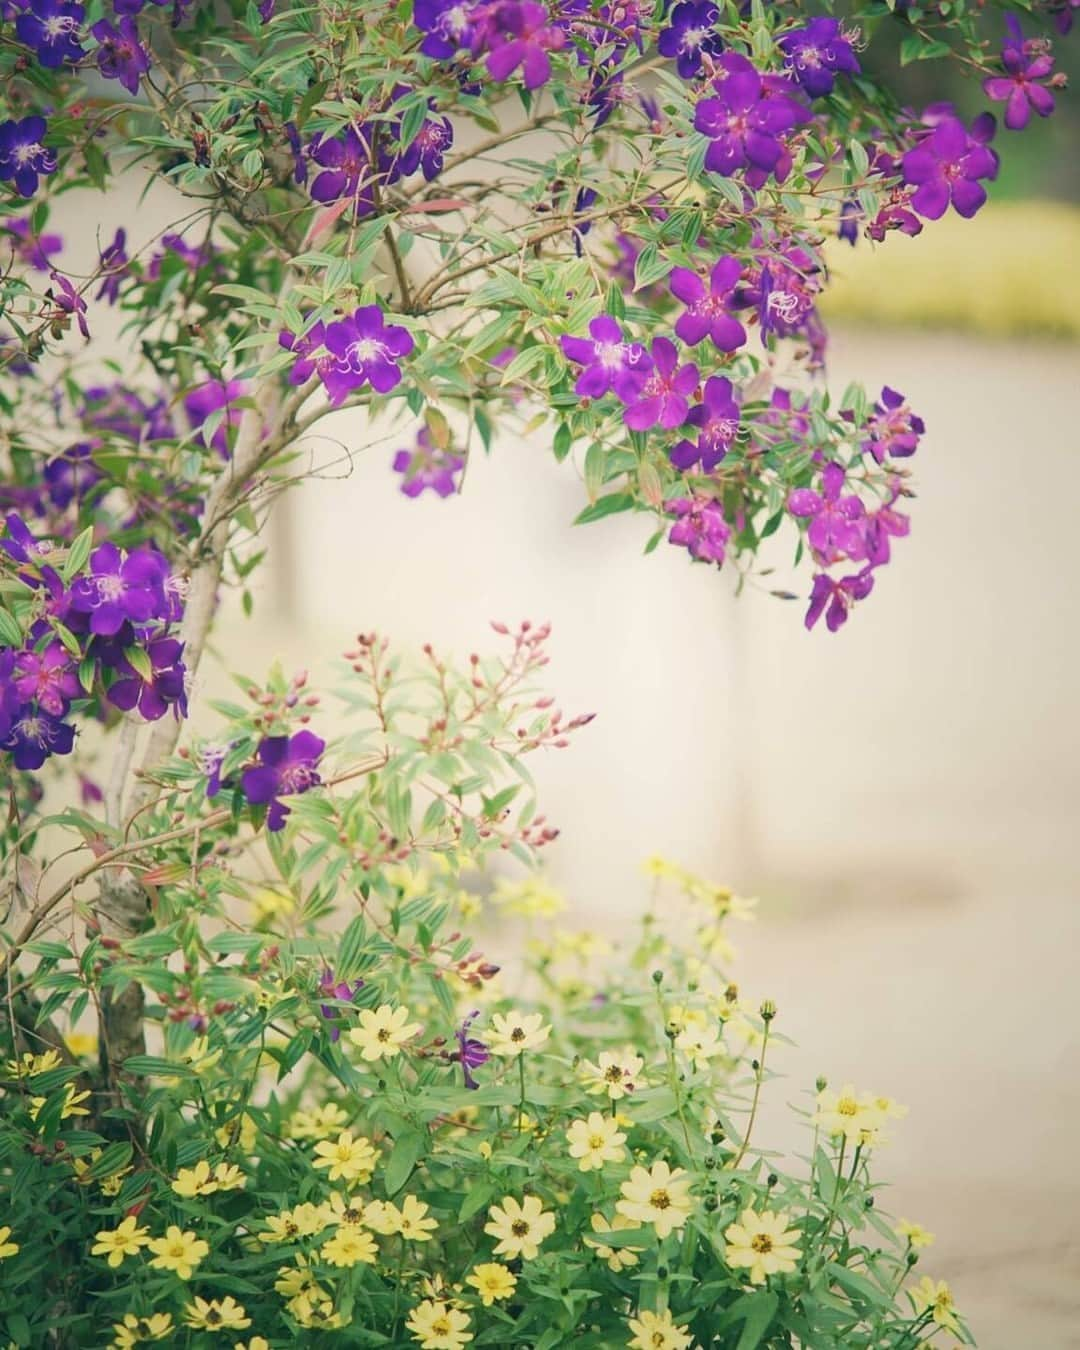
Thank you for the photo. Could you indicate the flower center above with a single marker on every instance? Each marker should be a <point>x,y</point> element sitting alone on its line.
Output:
<point>27,152</point>
<point>660,1200</point>
<point>692,38</point>
<point>761,1242</point>
<point>519,1228</point>
<point>596,1141</point>
<point>517,1034</point>
<point>366,349</point>
<point>847,1106</point>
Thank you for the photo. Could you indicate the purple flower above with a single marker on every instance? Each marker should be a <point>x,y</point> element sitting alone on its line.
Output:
<point>121,56</point>
<point>427,150</point>
<point>347,169</point>
<point>114,263</point>
<point>851,213</point>
<point>10,703</point>
<point>343,991</point>
<point>664,397</point>
<point>164,688</point>
<point>836,522</point>
<point>610,363</point>
<point>745,119</point>
<point>946,167</point>
<point>428,467</point>
<point>699,527</point>
<point>52,28</point>
<point>706,306</point>
<point>892,429</point>
<point>838,596</point>
<point>1026,63</point>
<point>119,589</point>
<point>450,25</point>
<point>366,350</point>
<point>520,35</point>
<point>71,475</point>
<point>47,677</point>
<point>717,420</point>
<point>689,33</point>
<point>35,736</point>
<point>816,54</point>
<point>882,525</point>
<point>33,249</point>
<point>212,397</point>
<point>22,156</point>
<point>471,1053</point>
<point>305,347</point>
<point>193,256</point>
<point>68,301</point>
<point>300,165</point>
<point>288,766</point>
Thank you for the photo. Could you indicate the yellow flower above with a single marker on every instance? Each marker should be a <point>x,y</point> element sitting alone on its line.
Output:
<point>269,905</point>
<point>192,1181</point>
<point>348,1246</point>
<point>492,1281</point>
<point>381,1216</point>
<point>123,1240</point>
<point>484,1149</point>
<point>617,1075</point>
<point>348,1159</point>
<point>280,1228</point>
<point>133,1330</point>
<point>846,1115</point>
<point>595,1141</point>
<point>71,1107</point>
<point>762,1243</point>
<point>341,1210</point>
<point>437,1326</point>
<point>315,1310</point>
<point>411,1221</point>
<point>319,1123</point>
<point>658,1196</point>
<point>520,1228</point>
<point>212,1315</point>
<point>81,1043</point>
<point>656,1331</point>
<point>935,1298</point>
<point>31,1065</point>
<point>178,1251</point>
<point>157,1326</point>
<point>241,1130</point>
<point>658,866</point>
<point>382,1033</point>
<point>200,1057</point>
<point>890,1108</point>
<point>256,1343</point>
<point>514,1032</point>
<point>915,1233</point>
<point>699,1044</point>
<point>7,1248</point>
<point>298,1282</point>
<point>530,898</point>
<point>228,1177</point>
<point>618,1258</point>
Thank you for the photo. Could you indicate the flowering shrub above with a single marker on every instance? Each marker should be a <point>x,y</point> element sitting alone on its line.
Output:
<point>309,1108</point>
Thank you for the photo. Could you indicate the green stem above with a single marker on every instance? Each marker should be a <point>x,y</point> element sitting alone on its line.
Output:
<point>521,1104</point>
<point>759,1074</point>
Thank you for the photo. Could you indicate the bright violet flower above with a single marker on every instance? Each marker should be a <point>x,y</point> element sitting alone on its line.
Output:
<point>428,467</point>
<point>343,991</point>
<point>35,736</point>
<point>153,697</point>
<point>450,25</point>
<point>347,169</point>
<point>818,53</point>
<point>306,347</point>
<point>51,27</point>
<point>121,56</point>
<point>836,522</point>
<point>946,166</point>
<point>10,703</point>
<point>68,301</point>
<point>71,475</point>
<point>707,306</point>
<point>211,397</point>
<point>892,429</point>
<point>717,420</point>
<point>520,34</point>
<point>114,263</point>
<point>471,1053</point>
<point>664,398</point>
<point>745,119</point>
<point>700,528</point>
<point>23,159</point>
<point>48,678</point>
<point>428,150</point>
<point>118,589</point>
<point>193,256</point>
<point>35,250</point>
<point>1028,64</point>
<point>366,350</point>
<point>288,766</point>
<point>689,33</point>
<point>609,362</point>
<point>882,525</point>
<point>300,164</point>
<point>834,598</point>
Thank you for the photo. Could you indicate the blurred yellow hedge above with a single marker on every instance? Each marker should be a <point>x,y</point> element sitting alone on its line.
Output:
<point>1012,270</point>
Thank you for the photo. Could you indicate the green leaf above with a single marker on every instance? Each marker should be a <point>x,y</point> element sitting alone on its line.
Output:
<point>756,1312</point>
<point>409,1148</point>
<point>78,553</point>
<point>606,506</point>
<point>146,1066</point>
<point>11,634</point>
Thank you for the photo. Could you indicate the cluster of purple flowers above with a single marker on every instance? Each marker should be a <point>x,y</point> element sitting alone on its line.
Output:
<point>283,766</point>
<point>54,30</point>
<point>349,353</point>
<point>746,116</point>
<point>513,35</point>
<point>105,633</point>
<point>428,467</point>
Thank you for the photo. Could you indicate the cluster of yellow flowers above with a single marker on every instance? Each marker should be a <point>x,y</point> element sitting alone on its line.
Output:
<point>856,1118</point>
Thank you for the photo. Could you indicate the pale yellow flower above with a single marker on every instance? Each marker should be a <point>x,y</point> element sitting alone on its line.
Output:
<point>492,1281</point>
<point>178,1251</point>
<point>656,1331</point>
<point>618,1258</point>
<point>81,1044</point>
<point>700,1044</point>
<point>514,1032</point>
<point>348,1159</point>
<point>340,1209</point>
<point>123,1240</point>
<point>381,1216</point>
<point>256,1343</point>
<point>847,1114</point>
<point>595,1141</point>
<point>216,1315</point>
<point>135,1330</point>
<point>157,1326</point>
<point>7,1248</point>
<point>411,1220</point>
<point>197,1180</point>
<point>268,905</point>
<point>318,1123</point>
<point>438,1326</point>
<point>298,1281</point>
<point>762,1243</point>
<point>228,1177</point>
<point>315,1310</point>
<point>520,1228</point>
<point>915,1233</point>
<point>200,1057</point>
<point>240,1130</point>
<point>529,897</point>
<point>72,1103</point>
<point>383,1032</point>
<point>29,1066</point>
<point>935,1298</point>
<point>659,1196</point>
<point>348,1247</point>
<point>617,1075</point>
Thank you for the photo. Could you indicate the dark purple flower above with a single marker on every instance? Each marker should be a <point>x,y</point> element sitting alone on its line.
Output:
<point>121,56</point>
<point>48,678</point>
<point>211,760</point>
<point>1028,65</point>
<point>892,429</point>
<point>664,398</point>
<point>817,53</point>
<point>365,350</point>
<point>10,703</point>
<point>707,306</point>
<point>343,991</point>
<point>71,475</point>
<point>119,588</point>
<point>450,25</point>
<point>33,249</point>
<point>164,688</point>
<point>428,466</point>
<point>193,256</point>
<point>745,119</point>
<point>211,397</point>
<point>946,166</point>
<point>610,363</point>
<point>427,150</point>
<point>68,301</point>
<point>347,169</point>
<point>51,27</point>
<point>288,765</point>
<point>114,264</point>
<point>882,525</point>
<point>836,521</point>
<point>717,420</point>
<point>519,34</point>
<point>300,164</point>
<point>835,598</point>
<point>309,351</point>
<point>699,527</point>
<point>35,736</point>
<point>689,33</point>
<point>22,156</point>
<point>851,213</point>
<point>471,1053</point>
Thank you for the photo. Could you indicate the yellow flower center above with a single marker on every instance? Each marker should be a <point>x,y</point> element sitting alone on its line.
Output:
<point>660,1200</point>
<point>847,1106</point>
<point>596,1141</point>
<point>761,1242</point>
<point>441,1326</point>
